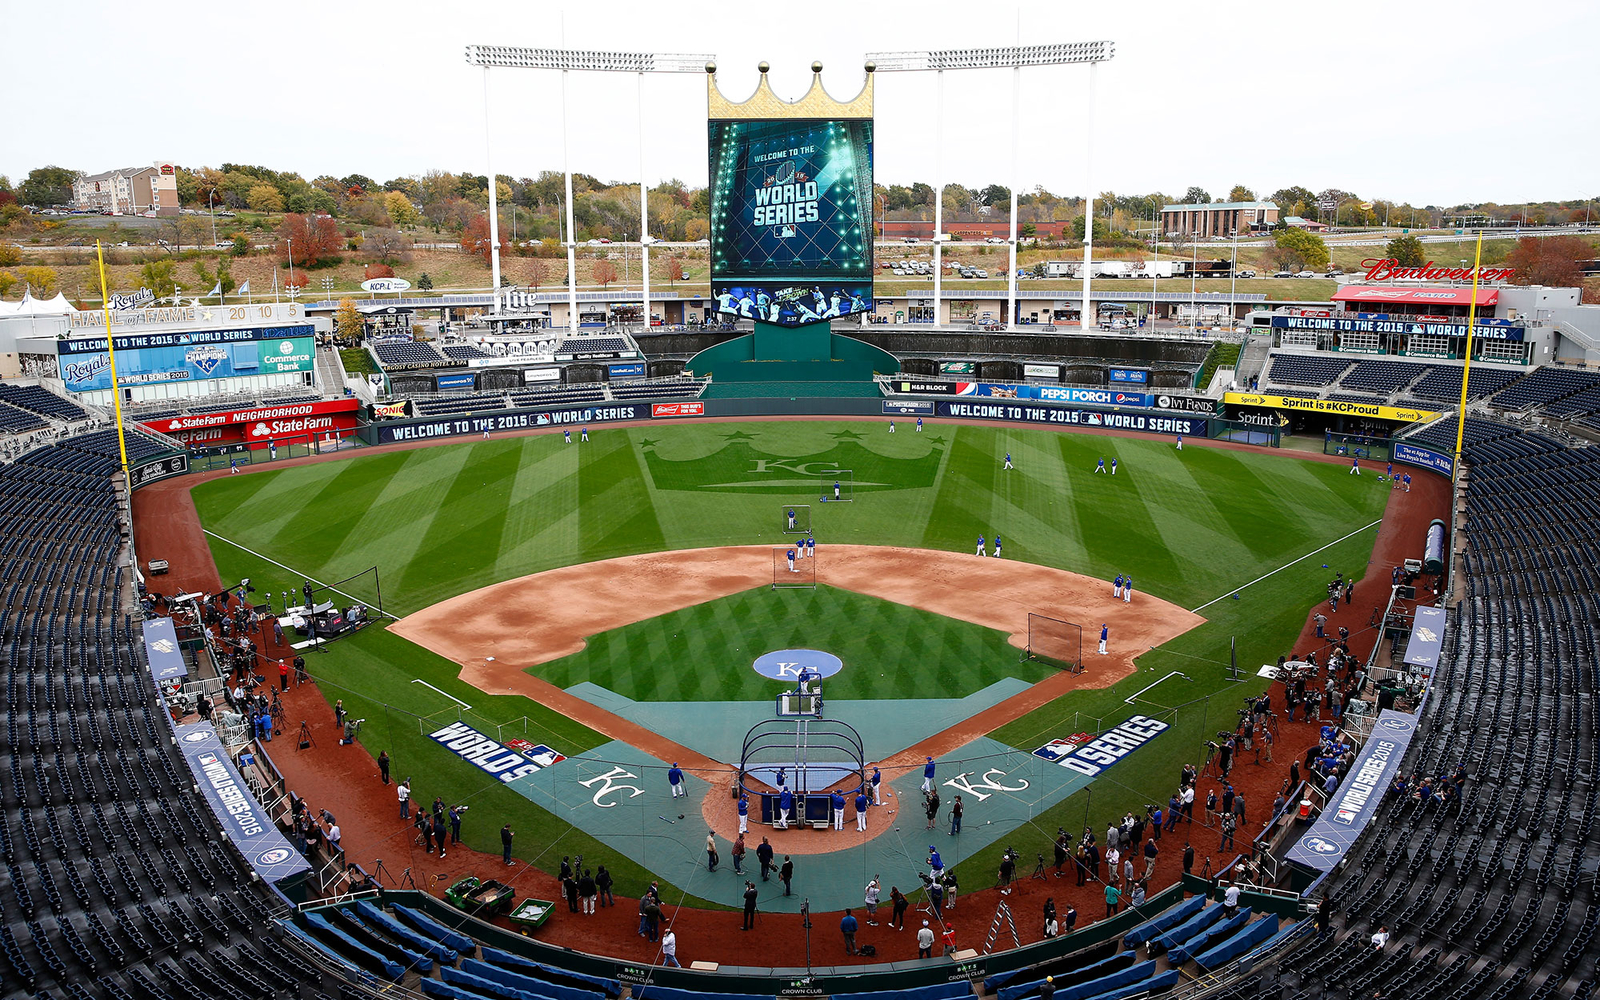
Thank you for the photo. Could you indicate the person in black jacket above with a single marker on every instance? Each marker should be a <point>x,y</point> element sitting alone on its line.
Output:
<point>749,906</point>
<point>603,883</point>
<point>586,892</point>
<point>569,885</point>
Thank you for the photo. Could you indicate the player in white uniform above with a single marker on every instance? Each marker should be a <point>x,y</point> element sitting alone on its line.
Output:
<point>1101,467</point>
<point>791,520</point>
<point>981,550</point>
<point>1180,442</point>
<point>1127,590</point>
<point>997,545</point>
<point>811,548</point>
<point>1008,459</point>
<point>891,427</point>
<point>791,562</point>
<point>1113,466</point>
<point>1104,631</point>
<point>567,435</point>
<point>919,425</point>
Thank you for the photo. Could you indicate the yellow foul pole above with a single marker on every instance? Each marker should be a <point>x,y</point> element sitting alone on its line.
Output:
<point>1466,367</point>
<point>111,352</point>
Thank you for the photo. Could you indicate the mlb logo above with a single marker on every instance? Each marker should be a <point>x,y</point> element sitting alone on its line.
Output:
<point>1054,750</point>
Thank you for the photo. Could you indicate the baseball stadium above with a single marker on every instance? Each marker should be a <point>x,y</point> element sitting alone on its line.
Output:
<point>790,657</point>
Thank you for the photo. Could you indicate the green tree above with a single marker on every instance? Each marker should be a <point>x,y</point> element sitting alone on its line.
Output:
<point>157,276</point>
<point>1196,195</point>
<point>424,282</point>
<point>1100,230</point>
<point>265,198</point>
<point>1027,230</point>
<point>46,186</point>
<point>1407,250</point>
<point>241,245</point>
<point>1308,245</point>
<point>1241,193</point>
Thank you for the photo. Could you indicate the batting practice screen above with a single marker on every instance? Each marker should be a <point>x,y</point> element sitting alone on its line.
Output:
<point>791,218</point>
<point>1055,641</point>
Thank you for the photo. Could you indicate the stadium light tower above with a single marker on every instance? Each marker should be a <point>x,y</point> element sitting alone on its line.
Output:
<point>583,60</point>
<point>1014,58</point>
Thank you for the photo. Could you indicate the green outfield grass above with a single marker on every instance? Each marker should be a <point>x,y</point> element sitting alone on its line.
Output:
<point>910,652</point>
<point>440,521</point>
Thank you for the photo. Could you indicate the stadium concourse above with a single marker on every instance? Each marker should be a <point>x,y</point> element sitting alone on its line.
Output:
<point>346,776</point>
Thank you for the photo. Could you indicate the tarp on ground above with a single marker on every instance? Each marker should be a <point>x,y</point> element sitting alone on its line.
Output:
<point>367,957</point>
<point>380,921</point>
<point>1094,987</point>
<point>427,925</point>
<point>1208,939</point>
<point>1205,917</point>
<point>1095,970</point>
<point>1164,921</point>
<point>1230,949</point>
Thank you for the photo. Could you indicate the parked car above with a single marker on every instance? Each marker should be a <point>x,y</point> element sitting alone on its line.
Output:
<point>1306,274</point>
<point>1284,274</point>
<point>993,239</point>
<point>1247,274</point>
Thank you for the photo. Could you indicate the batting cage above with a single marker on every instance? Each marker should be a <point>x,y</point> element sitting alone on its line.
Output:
<point>836,485</point>
<point>795,518</point>
<point>807,755</point>
<point>792,569</point>
<point>1052,640</point>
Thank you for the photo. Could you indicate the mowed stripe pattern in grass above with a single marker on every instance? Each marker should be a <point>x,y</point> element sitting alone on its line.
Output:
<point>704,653</point>
<point>444,520</point>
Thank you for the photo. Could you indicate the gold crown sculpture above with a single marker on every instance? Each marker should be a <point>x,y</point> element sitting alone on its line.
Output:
<point>817,102</point>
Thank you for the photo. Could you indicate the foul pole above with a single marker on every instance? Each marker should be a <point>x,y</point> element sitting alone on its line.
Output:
<point>1466,365</point>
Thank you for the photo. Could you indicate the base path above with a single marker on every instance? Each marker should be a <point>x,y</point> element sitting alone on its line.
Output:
<point>497,632</point>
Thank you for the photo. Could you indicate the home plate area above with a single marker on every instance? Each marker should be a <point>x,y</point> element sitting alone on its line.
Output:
<point>621,796</point>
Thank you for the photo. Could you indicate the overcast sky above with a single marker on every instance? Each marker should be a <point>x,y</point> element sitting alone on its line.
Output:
<point>1428,103</point>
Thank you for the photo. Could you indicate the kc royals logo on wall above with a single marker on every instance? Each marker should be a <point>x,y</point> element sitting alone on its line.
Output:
<point>207,358</point>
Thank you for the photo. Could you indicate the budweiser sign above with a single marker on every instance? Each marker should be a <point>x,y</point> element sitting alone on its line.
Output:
<point>1389,269</point>
<point>694,409</point>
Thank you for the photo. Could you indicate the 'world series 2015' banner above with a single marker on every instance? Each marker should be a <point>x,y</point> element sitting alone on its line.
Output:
<point>422,430</point>
<point>1093,756</point>
<point>489,755</point>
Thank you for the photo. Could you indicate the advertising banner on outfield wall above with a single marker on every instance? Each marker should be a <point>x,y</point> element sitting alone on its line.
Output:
<point>1327,406</point>
<point>1097,397</point>
<point>690,408</point>
<point>1025,413</point>
<point>908,407</point>
<point>616,372</point>
<point>1128,376</point>
<point>1356,800</point>
<point>158,469</point>
<point>423,430</point>
<point>1184,404</point>
<point>1041,371</point>
<point>1423,458</point>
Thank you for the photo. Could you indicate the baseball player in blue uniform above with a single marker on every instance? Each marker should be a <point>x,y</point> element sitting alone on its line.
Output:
<point>919,425</point>
<point>811,548</point>
<point>927,775</point>
<point>891,427</point>
<point>568,435</point>
<point>997,545</point>
<point>981,550</point>
<point>1127,589</point>
<point>1101,466</point>
<point>583,433</point>
<point>1408,482</point>
<point>1355,466</point>
<point>837,801</point>
<point>1008,459</point>
<point>791,518</point>
<point>744,812</point>
<point>791,562</point>
<point>877,787</point>
<point>675,779</point>
<point>1113,466</point>
<point>935,862</point>
<point>836,489</point>
<point>785,803</point>
<point>1105,630</point>
<point>861,811</point>
<point>1389,470</point>
<point>1116,586</point>
<point>1180,442</point>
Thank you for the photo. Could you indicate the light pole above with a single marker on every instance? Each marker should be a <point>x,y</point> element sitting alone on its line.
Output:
<point>565,61</point>
<point>1233,279</point>
<point>291,266</point>
<point>1012,57</point>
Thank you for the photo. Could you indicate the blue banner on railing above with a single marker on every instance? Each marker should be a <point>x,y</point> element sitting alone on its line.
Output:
<point>908,407</point>
<point>1427,637</point>
<point>162,651</point>
<point>615,372</point>
<point>1128,376</point>
<point>447,383</point>
<point>420,430</point>
<point>243,819</point>
<point>1356,800</point>
<point>1423,458</point>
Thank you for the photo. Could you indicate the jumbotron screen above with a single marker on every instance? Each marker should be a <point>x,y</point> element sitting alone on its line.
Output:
<point>791,219</point>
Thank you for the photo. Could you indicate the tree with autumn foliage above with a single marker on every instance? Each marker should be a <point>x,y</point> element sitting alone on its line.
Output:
<point>309,240</point>
<point>1551,261</point>
<point>605,272</point>
<point>538,272</point>
<point>377,271</point>
<point>475,239</point>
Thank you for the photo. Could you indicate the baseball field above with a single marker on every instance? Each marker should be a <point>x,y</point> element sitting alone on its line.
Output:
<point>654,545</point>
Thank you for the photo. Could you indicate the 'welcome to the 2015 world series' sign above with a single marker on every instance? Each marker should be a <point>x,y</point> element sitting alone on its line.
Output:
<point>1022,412</point>
<point>423,430</point>
<point>1414,327</point>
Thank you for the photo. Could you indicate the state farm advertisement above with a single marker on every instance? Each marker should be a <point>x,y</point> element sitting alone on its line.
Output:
<point>689,409</point>
<point>261,424</point>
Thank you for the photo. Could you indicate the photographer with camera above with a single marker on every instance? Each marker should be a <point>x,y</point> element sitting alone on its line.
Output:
<point>351,728</point>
